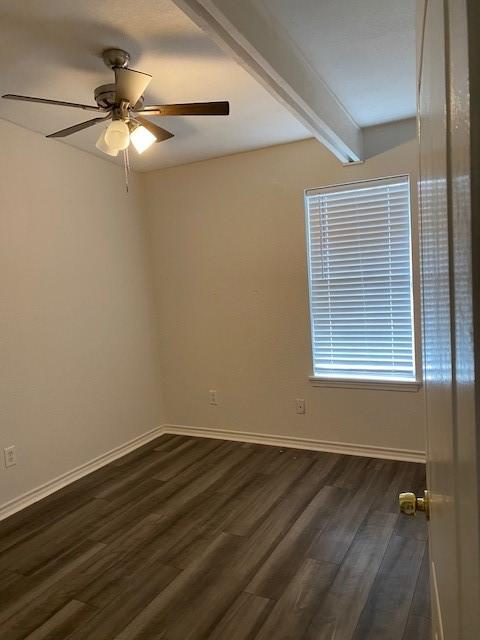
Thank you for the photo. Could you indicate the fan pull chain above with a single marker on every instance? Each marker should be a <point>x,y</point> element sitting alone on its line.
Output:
<point>126,164</point>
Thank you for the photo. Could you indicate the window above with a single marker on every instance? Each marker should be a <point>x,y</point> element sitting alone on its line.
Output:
<point>360,275</point>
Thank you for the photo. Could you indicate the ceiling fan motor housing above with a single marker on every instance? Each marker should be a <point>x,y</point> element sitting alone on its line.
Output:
<point>106,97</point>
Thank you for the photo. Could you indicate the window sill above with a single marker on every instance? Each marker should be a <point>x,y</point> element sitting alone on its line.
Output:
<point>378,385</point>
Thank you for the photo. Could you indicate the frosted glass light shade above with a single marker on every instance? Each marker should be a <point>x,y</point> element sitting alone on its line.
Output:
<point>117,135</point>
<point>102,145</point>
<point>142,139</point>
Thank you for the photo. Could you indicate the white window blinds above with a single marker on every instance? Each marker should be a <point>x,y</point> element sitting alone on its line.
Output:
<point>360,272</point>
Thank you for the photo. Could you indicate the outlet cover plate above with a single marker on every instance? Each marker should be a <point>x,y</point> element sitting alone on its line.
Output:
<point>300,405</point>
<point>10,456</point>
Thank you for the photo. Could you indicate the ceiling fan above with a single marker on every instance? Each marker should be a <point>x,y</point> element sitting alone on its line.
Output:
<point>122,103</point>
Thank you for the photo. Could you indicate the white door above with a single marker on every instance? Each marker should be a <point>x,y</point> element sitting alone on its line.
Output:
<point>449,114</point>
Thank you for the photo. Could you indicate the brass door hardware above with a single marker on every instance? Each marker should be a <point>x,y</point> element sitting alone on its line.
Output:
<point>410,504</point>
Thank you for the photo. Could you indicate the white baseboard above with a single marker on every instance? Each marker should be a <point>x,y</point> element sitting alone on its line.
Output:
<point>347,448</point>
<point>55,484</point>
<point>34,495</point>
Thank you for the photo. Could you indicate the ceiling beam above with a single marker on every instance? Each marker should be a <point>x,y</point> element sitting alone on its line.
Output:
<point>262,47</point>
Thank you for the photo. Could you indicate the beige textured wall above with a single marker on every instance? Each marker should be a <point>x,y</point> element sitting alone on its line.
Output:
<point>79,367</point>
<point>229,254</point>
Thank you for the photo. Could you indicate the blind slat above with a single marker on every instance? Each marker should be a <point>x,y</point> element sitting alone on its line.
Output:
<point>362,209</point>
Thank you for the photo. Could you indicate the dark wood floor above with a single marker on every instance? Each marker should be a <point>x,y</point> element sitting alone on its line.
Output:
<point>192,538</point>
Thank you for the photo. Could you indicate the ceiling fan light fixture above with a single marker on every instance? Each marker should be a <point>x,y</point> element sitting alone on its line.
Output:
<point>117,135</point>
<point>102,145</point>
<point>142,138</point>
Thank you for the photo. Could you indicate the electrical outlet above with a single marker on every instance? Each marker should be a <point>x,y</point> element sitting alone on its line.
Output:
<point>213,397</point>
<point>10,455</point>
<point>300,405</point>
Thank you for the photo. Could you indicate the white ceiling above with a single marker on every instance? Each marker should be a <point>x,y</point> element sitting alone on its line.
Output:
<point>53,49</point>
<point>363,49</point>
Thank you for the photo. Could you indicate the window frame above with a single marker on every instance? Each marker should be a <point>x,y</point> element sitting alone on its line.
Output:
<point>358,382</point>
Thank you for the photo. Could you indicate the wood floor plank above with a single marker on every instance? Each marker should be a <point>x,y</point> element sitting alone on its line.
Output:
<point>377,624</point>
<point>7,579</point>
<point>418,628</point>
<point>110,571</point>
<point>123,519</point>
<point>337,615</point>
<point>48,592</point>
<point>184,534</point>
<point>392,591</point>
<point>332,543</point>
<point>63,621</point>
<point>421,604</point>
<point>352,473</point>
<point>12,587</point>
<point>170,441</point>
<point>31,554</point>
<point>226,451</point>
<point>19,613</point>
<point>86,572</point>
<point>166,614</point>
<point>238,475</point>
<point>170,498</point>
<point>44,513</point>
<point>138,470</point>
<point>276,459</point>
<point>164,442</point>
<point>144,584</point>
<point>262,501</point>
<point>290,617</point>
<point>218,469</point>
<point>176,464</point>
<point>243,619</point>
<point>412,527</point>
<point>19,527</point>
<point>204,539</point>
<point>131,493</point>
<point>273,577</point>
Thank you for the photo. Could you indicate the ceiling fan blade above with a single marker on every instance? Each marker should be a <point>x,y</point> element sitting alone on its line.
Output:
<point>158,132</point>
<point>188,109</point>
<point>130,84</point>
<point>85,107</point>
<point>76,127</point>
